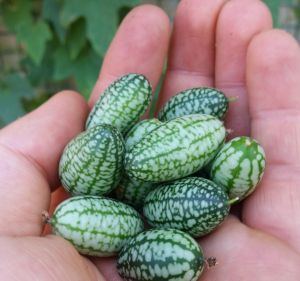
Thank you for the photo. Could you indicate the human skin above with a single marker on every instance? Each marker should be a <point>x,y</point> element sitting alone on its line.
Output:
<point>227,44</point>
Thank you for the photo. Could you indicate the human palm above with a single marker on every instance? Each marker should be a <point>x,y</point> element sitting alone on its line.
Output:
<point>226,44</point>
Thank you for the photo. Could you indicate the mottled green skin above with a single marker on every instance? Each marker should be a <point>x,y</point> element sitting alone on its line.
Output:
<point>122,103</point>
<point>194,205</point>
<point>197,100</point>
<point>239,166</point>
<point>95,225</point>
<point>133,192</point>
<point>92,162</point>
<point>138,131</point>
<point>161,255</point>
<point>175,149</point>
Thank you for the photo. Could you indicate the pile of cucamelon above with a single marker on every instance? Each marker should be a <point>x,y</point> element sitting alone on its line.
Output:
<point>177,172</point>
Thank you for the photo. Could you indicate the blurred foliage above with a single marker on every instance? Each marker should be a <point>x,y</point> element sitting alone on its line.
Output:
<point>297,10</point>
<point>274,8</point>
<point>14,88</point>
<point>62,42</point>
<point>62,46</point>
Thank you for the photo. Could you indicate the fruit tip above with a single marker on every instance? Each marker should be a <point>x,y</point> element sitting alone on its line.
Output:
<point>211,262</point>
<point>233,200</point>
<point>46,218</point>
<point>232,99</point>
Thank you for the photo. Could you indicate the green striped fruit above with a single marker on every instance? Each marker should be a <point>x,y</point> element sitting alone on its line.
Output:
<point>175,149</point>
<point>194,205</point>
<point>197,100</point>
<point>239,166</point>
<point>92,162</point>
<point>161,255</point>
<point>122,103</point>
<point>95,225</point>
<point>138,131</point>
<point>133,192</point>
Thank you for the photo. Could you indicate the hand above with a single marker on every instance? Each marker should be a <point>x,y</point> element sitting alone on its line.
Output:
<point>226,44</point>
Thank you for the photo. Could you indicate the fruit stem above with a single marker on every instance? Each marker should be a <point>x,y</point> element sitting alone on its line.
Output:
<point>46,218</point>
<point>211,262</point>
<point>232,99</point>
<point>233,200</point>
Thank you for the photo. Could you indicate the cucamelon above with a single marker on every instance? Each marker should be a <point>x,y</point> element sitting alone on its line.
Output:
<point>92,162</point>
<point>196,100</point>
<point>194,205</point>
<point>95,225</point>
<point>239,166</point>
<point>138,131</point>
<point>175,149</point>
<point>133,192</point>
<point>122,103</point>
<point>161,255</point>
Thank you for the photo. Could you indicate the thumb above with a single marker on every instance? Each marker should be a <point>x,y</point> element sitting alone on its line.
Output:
<point>44,258</point>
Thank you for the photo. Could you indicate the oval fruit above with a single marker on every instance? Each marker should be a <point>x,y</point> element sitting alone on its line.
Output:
<point>133,192</point>
<point>239,166</point>
<point>161,255</point>
<point>194,205</point>
<point>175,149</point>
<point>138,131</point>
<point>197,100</point>
<point>92,162</point>
<point>95,225</point>
<point>122,103</point>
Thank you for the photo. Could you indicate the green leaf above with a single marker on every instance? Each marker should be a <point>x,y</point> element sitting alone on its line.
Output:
<point>84,70</point>
<point>50,12</point>
<point>13,87</point>
<point>101,16</point>
<point>62,64</point>
<point>274,6</point>
<point>76,38</point>
<point>33,35</point>
<point>32,103</point>
<point>87,71</point>
<point>38,74</point>
<point>296,10</point>
<point>122,12</point>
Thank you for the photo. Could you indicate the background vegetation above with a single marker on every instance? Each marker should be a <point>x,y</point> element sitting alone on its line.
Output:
<point>48,45</point>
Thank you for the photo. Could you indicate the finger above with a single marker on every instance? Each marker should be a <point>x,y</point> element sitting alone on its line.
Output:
<point>238,22</point>
<point>246,254</point>
<point>30,149</point>
<point>273,68</point>
<point>41,135</point>
<point>242,254</point>
<point>107,267</point>
<point>192,50</point>
<point>48,258</point>
<point>140,46</point>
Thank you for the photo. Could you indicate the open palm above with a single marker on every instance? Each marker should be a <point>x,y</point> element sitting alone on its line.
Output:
<point>226,44</point>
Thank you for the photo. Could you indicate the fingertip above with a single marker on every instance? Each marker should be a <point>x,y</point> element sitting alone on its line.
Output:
<point>73,104</point>
<point>191,15</point>
<point>241,18</point>
<point>151,13</point>
<point>140,46</point>
<point>192,51</point>
<point>271,47</point>
<point>144,19</point>
<point>273,67</point>
<point>239,21</point>
<point>42,134</point>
